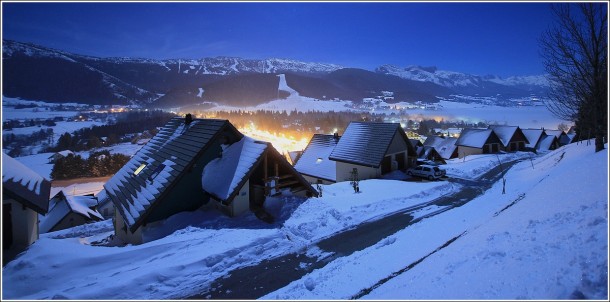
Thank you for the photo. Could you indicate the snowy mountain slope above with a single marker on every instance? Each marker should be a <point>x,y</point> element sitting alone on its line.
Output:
<point>468,84</point>
<point>456,79</point>
<point>36,72</point>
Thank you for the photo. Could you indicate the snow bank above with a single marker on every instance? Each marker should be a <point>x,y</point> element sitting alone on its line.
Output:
<point>540,240</point>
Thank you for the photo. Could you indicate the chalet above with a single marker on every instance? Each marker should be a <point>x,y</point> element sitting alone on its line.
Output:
<point>539,140</point>
<point>246,172</point>
<point>67,211</point>
<point>512,137</point>
<point>372,149</point>
<point>166,176</point>
<point>477,141</point>
<point>445,146</point>
<point>58,155</point>
<point>25,194</point>
<point>314,164</point>
<point>428,153</point>
<point>562,137</point>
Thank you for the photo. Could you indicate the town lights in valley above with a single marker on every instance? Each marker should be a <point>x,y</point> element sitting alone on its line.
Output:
<point>281,142</point>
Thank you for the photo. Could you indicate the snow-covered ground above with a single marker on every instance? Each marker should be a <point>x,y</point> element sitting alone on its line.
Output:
<point>551,244</point>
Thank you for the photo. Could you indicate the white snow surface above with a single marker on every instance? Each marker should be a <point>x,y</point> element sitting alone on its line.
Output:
<point>473,137</point>
<point>221,176</point>
<point>13,170</point>
<point>552,243</point>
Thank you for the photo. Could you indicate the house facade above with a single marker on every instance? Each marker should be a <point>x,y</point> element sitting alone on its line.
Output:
<point>512,137</point>
<point>25,194</point>
<point>477,141</point>
<point>369,150</point>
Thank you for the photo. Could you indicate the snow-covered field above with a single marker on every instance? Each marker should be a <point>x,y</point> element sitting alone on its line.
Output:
<point>551,244</point>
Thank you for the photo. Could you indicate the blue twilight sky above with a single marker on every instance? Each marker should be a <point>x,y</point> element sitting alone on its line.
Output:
<point>477,38</point>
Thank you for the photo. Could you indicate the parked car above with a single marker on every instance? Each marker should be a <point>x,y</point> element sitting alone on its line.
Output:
<point>427,171</point>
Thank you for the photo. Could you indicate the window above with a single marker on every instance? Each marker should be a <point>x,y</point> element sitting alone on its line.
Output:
<point>139,169</point>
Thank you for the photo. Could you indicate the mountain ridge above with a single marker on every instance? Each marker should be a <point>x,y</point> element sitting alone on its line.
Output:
<point>39,72</point>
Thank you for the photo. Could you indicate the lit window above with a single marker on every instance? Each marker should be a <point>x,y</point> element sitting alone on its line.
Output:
<point>139,169</point>
<point>319,160</point>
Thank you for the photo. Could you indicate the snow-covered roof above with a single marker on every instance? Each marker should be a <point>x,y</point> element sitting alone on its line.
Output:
<point>505,133</point>
<point>315,162</point>
<point>221,176</point>
<point>25,185</point>
<point>445,146</point>
<point>556,133</point>
<point>546,142</point>
<point>365,143</point>
<point>143,180</point>
<point>562,137</point>
<point>65,204</point>
<point>474,137</point>
<point>533,136</point>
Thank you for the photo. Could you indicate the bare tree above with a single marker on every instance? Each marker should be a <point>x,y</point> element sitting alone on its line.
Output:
<point>575,54</point>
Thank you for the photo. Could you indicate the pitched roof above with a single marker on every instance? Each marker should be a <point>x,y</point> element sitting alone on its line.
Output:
<point>143,181</point>
<point>365,143</point>
<point>556,133</point>
<point>474,137</point>
<point>546,142</point>
<point>562,137</point>
<point>533,136</point>
<point>445,146</point>
<point>65,204</point>
<point>221,176</point>
<point>315,162</point>
<point>25,185</point>
<point>505,133</point>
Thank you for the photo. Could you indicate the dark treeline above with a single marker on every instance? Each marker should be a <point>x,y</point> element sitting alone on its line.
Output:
<point>127,123</point>
<point>97,164</point>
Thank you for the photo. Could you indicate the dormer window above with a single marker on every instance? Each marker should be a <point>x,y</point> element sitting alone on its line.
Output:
<point>319,160</point>
<point>139,169</point>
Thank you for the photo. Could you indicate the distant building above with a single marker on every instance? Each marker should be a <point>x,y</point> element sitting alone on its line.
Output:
<point>539,140</point>
<point>69,211</point>
<point>477,141</point>
<point>512,137</point>
<point>445,146</point>
<point>59,155</point>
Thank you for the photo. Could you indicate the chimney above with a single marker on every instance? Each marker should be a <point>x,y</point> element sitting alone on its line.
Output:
<point>336,136</point>
<point>188,119</point>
